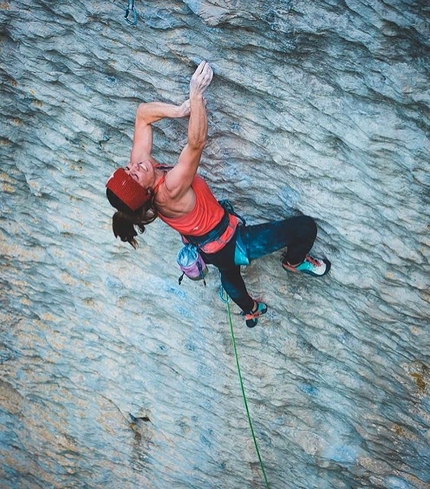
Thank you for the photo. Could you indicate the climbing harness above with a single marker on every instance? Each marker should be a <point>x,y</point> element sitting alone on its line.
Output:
<point>213,235</point>
<point>189,259</point>
<point>228,206</point>
<point>240,252</point>
<point>224,297</point>
<point>131,11</point>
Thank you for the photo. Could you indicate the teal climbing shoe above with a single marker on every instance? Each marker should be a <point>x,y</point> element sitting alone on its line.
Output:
<point>311,266</point>
<point>251,318</point>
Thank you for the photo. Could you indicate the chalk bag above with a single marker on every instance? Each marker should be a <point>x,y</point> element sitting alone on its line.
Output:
<point>191,263</point>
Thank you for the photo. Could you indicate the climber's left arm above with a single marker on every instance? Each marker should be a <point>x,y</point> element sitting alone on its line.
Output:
<point>146,114</point>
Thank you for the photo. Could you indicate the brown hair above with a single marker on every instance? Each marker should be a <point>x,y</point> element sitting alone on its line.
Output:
<point>127,223</point>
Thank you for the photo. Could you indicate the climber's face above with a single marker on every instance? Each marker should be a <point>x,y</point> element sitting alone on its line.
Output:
<point>143,173</point>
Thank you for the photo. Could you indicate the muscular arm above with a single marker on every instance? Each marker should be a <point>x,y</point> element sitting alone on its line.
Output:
<point>146,114</point>
<point>178,181</point>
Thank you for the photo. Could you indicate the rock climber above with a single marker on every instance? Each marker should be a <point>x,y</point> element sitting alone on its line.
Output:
<point>145,190</point>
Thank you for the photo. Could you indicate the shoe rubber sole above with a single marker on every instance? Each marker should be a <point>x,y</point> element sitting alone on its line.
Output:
<point>307,272</point>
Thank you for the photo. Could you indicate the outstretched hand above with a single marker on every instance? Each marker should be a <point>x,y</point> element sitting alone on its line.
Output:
<point>201,79</point>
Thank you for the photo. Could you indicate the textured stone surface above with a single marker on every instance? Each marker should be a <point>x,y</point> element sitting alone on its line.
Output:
<point>114,376</point>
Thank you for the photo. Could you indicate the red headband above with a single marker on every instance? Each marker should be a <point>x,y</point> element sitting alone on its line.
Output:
<point>127,189</point>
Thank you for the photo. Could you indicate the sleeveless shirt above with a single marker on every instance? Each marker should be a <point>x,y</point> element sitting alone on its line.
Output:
<point>205,215</point>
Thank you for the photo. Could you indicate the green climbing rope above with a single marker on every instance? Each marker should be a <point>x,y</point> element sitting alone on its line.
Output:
<point>233,339</point>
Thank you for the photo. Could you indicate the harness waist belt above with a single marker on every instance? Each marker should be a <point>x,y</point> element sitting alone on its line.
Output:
<point>212,235</point>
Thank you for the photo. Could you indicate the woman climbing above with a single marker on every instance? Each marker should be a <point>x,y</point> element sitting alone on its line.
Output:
<point>145,190</point>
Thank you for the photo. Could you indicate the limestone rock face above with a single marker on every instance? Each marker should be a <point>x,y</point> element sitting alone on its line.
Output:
<point>113,375</point>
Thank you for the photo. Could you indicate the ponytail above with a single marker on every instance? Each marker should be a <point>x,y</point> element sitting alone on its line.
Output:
<point>127,223</point>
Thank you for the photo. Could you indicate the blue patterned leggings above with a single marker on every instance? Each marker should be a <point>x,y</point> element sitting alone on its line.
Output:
<point>297,234</point>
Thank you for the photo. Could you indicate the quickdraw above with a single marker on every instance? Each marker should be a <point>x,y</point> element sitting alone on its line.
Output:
<point>130,13</point>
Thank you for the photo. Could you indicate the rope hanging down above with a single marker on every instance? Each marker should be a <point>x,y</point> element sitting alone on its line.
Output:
<point>233,339</point>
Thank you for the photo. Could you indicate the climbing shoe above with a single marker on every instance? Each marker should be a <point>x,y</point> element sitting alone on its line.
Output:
<point>251,318</point>
<point>311,266</point>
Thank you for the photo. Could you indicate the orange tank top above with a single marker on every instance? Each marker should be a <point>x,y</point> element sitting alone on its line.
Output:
<point>205,215</point>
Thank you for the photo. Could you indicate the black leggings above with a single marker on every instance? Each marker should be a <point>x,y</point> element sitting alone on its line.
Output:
<point>297,234</point>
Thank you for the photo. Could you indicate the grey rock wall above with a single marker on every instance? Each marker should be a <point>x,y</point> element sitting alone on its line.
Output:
<point>113,376</point>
